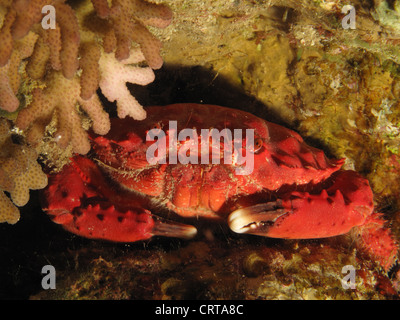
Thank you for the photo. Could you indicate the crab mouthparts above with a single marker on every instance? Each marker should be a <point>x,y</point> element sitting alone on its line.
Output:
<point>256,219</point>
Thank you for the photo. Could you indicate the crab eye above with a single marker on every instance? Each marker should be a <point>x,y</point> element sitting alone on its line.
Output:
<point>155,129</point>
<point>258,143</point>
<point>156,126</point>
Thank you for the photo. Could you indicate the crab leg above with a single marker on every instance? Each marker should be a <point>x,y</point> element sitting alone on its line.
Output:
<point>120,226</point>
<point>83,203</point>
<point>301,215</point>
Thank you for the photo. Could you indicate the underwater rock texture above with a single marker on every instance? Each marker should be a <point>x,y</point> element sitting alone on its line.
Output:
<point>288,61</point>
<point>212,270</point>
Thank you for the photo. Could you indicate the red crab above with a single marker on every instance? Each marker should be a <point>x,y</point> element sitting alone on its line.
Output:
<point>290,190</point>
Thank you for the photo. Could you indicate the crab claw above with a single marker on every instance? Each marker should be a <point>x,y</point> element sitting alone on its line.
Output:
<point>256,219</point>
<point>109,223</point>
<point>301,215</point>
<point>80,200</point>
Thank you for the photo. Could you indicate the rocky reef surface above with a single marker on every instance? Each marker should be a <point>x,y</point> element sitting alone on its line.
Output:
<point>297,63</point>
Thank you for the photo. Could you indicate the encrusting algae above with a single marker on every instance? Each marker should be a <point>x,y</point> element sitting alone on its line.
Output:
<point>98,44</point>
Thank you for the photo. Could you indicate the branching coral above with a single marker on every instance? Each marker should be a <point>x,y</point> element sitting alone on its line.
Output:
<point>9,76</point>
<point>129,19</point>
<point>76,58</point>
<point>58,47</point>
<point>114,75</point>
<point>61,95</point>
<point>19,172</point>
<point>59,99</point>
<point>68,64</point>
